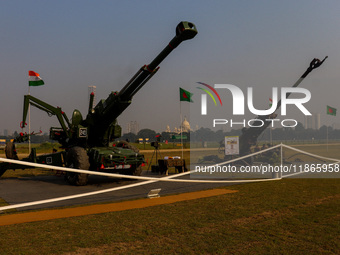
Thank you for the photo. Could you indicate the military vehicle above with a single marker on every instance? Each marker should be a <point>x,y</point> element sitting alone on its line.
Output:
<point>87,142</point>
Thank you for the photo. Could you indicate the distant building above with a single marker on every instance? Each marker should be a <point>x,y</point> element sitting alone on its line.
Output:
<point>313,121</point>
<point>336,125</point>
<point>132,127</point>
<point>185,127</point>
<point>168,130</point>
<point>7,132</point>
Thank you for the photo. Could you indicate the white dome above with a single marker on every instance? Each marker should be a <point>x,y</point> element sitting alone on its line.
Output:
<point>185,125</point>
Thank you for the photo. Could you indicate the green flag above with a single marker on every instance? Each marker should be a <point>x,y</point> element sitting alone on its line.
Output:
<point>185,95</point>
<point>331,111</point>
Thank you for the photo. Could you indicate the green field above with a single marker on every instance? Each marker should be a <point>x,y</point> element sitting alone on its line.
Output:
<point>283,217</point>
<point>290,216</point>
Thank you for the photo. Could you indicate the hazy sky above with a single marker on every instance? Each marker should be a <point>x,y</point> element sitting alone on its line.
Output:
<point>76,44</point>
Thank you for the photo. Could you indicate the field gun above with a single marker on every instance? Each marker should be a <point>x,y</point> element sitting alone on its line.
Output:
<point>87,141</point>
<point>250,135</point>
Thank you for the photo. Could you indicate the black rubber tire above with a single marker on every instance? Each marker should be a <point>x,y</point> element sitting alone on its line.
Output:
<point>77,158</point>
<point>137,171</point>
<point>10,154</point>
<point>2,172</point>
<point>10,151</point>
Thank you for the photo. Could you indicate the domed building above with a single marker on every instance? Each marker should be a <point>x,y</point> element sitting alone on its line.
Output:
<point>168,130</point>
<point>185,125</point>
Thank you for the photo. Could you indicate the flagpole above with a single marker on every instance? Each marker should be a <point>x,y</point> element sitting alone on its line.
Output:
<point>180,111</point>
<point>29,123</point>
<point>34,79</point>
<point>327,138</point>
<point>183,96</point>
<point>330,111</point>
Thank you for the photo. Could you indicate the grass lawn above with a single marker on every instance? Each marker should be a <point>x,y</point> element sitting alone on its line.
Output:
<point>291,216</point>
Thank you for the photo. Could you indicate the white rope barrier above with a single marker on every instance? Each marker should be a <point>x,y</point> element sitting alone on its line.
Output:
<point>72,197</point>
<point>147,180</point>
<point>311,154</point>
<point>35,165</point>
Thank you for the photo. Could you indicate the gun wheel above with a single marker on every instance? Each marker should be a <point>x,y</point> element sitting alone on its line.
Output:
<point>2,172</point>
<point>136,170</point>
<point>77,158</point>
<point>10,151</point>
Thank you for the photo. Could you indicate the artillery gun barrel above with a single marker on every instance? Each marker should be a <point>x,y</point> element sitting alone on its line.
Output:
<point>184,31</point>
<point>101,122</point>
<point>249,135</point>
<point>314,64</point>
<point>91,102</point>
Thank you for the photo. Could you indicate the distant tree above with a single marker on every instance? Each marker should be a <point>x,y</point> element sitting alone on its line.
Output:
<point>15,134</point>
<point>147,133</point>
<point>323,129</point>
<point>299,127</point>
<point>131,137</point>
<point>219,135</point>
<point>166,136</point>
<point>203,134</point>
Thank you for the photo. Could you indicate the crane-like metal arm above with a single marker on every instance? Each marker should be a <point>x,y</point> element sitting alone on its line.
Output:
<point>51,110</point>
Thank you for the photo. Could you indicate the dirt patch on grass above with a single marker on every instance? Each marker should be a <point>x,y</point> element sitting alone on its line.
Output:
<point>262,217</point>
<point>119,247</point>
<point>103,208</point>
<point>322,200</point>
<point>287,212</point>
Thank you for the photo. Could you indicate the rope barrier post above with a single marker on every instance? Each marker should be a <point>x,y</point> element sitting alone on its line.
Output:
<point>281,159</point>
<point>278,175</point>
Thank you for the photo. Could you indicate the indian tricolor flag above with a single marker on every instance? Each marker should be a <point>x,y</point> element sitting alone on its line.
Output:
<point>34,79</point>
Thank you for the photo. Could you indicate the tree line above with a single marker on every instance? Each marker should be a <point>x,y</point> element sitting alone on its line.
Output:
<point>208,135</point>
